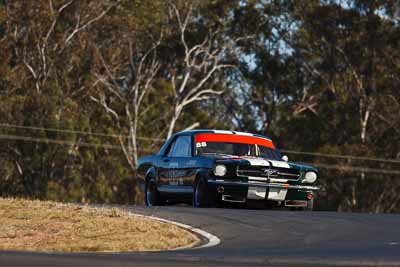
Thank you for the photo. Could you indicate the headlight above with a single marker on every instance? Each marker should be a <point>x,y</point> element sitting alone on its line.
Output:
<point>220,170</point>
<point>310,177</point>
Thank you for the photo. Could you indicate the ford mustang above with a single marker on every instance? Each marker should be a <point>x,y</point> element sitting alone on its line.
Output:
<point>208,167</point>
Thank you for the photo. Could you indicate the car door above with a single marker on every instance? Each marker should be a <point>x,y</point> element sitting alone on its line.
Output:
<point>176,170</point>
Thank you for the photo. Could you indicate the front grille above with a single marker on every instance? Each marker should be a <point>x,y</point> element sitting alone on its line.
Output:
<point>269,172</point>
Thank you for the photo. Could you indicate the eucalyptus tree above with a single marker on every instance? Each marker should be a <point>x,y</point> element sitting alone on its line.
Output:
<point>203,51</point>
<point>45,69</point>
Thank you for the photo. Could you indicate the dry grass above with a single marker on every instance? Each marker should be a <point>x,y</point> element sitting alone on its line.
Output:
<point>50,226</point>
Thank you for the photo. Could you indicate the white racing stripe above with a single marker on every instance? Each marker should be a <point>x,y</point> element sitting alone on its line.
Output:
<point>243,133</point>
<point>281,164</point>
<point>257,161</point>
<point>277,194</point>
<point>212,240</point>
<point>255,192</point>
<point>223,132</point>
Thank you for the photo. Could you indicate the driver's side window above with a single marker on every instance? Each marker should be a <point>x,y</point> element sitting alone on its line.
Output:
<point>180,147</point>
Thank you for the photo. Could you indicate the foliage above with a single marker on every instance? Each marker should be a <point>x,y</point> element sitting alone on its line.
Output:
<point>320,76</point>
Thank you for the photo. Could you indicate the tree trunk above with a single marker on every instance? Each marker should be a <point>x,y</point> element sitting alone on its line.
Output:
<point>175,117</point>
<point>364,120</point>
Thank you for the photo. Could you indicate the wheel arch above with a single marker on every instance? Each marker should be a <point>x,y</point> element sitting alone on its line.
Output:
<point>202,172</point>
<point>151,172</point>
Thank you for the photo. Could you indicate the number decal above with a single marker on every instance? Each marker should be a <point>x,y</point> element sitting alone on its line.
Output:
<point>173,174</point>
<point>201,144</point>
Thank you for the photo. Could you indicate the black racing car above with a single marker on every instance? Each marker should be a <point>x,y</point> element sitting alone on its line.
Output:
<point>209,166</point>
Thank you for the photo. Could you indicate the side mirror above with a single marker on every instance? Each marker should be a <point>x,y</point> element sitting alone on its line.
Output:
<point>285,158</point>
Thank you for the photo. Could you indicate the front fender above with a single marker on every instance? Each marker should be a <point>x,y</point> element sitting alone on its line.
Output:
<point>202,172</point>
<point>150,172</point>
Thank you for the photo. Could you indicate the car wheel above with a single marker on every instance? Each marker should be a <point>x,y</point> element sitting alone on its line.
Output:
<point>152,196</point>
<point>201,194</point>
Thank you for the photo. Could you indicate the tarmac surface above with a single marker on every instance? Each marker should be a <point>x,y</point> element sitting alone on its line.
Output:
<point>253,238</point>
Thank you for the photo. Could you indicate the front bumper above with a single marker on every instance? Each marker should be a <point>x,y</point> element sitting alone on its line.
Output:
<point>259,184</point>
<point>281,193</point>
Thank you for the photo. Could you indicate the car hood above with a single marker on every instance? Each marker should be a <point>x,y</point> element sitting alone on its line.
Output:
<point>258,161</point>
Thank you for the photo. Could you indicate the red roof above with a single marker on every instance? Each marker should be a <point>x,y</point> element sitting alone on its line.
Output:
<point>234,138</point>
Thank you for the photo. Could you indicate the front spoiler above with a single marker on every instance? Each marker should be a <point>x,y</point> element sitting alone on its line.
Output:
<point>258,184</point>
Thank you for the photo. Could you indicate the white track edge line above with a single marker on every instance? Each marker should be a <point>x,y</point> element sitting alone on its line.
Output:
<point>212,239</point>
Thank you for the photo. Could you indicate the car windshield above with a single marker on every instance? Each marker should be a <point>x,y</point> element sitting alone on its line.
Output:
<point>235,149</point>
<point>235,145</point>
<point>225,149</point>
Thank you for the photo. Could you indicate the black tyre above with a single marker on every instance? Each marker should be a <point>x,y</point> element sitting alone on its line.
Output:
<point>152,196</point>
<point>202,197</point>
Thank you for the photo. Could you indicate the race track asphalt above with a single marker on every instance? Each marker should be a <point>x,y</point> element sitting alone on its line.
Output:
<point>254,238</point>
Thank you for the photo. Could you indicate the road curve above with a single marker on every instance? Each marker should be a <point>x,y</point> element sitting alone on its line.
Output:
<point>254,238</point>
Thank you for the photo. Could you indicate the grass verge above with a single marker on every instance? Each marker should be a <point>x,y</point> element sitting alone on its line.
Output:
<point>55,227</point>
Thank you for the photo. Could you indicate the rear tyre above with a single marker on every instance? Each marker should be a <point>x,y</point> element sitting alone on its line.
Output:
<point>152,196</point>
<point>202,197</point>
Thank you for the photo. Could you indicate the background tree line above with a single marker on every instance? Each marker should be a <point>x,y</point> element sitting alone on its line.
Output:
<point>86,87</point>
